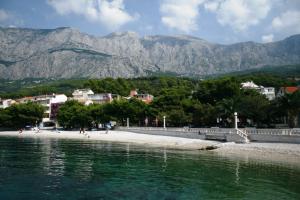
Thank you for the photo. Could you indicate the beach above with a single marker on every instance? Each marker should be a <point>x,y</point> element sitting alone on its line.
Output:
<point>281,152</point>
<point>120,136</point>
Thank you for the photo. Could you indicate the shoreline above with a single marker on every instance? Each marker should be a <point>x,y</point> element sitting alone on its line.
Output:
<point>120,136</point>
<point>274,152</point>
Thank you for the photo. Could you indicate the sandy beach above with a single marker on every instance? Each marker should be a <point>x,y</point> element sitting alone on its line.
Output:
<point>281,152</point>
<point>120,136</point>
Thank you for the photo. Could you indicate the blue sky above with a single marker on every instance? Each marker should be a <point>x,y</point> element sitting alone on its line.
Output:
<point>219,21</point>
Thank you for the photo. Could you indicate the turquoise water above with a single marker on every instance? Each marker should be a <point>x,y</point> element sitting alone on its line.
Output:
<point>69,169</point>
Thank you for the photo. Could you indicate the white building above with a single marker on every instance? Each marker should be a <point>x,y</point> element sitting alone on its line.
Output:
<point>87,96</point>
<point>82,95</point>
<point>249,85</point>
<point>6,103</point>
<point>48,102</point>
<point>101,98</point>
<point>269,92</point>
<point>146,98</point>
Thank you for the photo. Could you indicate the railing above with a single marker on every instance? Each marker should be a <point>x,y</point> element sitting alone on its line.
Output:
<point>243,134</point>
<point>273,131</point>
<point>247,131</point>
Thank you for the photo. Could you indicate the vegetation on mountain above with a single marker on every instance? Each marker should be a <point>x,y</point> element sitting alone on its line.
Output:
<point>184,101</point>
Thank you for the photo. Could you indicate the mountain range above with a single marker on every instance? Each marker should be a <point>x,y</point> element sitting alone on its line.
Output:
<point>68,53</point>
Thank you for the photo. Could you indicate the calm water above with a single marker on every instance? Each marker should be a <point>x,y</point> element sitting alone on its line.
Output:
<point>63,169</point>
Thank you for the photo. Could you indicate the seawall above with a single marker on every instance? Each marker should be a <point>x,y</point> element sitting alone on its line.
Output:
<point>223,134</point>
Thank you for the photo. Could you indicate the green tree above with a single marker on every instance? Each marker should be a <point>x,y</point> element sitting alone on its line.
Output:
<point>253,107</point>
<point>225,109</point>
<point>97,113</point>
<point>5,119</point>
<point>212,91</point>
<point>74,115</point>
<point>178,117</point>
<point>290,103</point>
<point>21,115</point>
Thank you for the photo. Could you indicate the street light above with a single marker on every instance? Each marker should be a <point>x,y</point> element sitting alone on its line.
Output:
<point>235,120</point>
<point>164,122</point>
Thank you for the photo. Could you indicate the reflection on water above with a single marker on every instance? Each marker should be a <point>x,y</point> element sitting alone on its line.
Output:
<point>237,172</point>
<point>165,164</point>
<point>66,169</point>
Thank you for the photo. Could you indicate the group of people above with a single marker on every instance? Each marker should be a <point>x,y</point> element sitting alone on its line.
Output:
<point>36,129</point>
<point>82,130</point>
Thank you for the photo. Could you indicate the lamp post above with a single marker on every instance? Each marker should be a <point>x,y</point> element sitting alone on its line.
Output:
<point>235,120</point>
<point>127,120</point>
<point>164,122</point>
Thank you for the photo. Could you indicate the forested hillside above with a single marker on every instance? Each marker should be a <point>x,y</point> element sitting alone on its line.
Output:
<point>184,101</point>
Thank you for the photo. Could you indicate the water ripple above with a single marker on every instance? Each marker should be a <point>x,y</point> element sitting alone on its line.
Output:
<point>66,169</point>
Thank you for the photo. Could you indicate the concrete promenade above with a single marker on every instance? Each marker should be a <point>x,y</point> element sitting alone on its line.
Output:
<point>222,134</point>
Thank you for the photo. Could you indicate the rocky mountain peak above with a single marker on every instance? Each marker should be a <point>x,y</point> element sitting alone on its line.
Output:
<point>130,34</point>
<point>66,52</point>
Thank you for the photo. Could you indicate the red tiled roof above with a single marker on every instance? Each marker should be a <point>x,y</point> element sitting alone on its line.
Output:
<point>291,89</point>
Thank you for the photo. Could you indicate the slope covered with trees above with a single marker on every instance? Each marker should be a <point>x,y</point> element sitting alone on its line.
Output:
<point>183,101</point>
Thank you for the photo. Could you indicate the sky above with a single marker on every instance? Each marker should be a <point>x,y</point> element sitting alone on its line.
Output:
<point>217,21</point>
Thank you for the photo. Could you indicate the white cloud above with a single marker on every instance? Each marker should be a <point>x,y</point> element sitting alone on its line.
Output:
<point>10,19</point>
<point>112,14</point>
<point>288,22</point>
<point>4,15</point>
<point>180,14</point>
<point>267,38</point>
<point>212,5</point>
<point>239,14</point>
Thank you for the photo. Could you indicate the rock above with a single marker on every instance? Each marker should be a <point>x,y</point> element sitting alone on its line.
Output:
<point>68,53</point>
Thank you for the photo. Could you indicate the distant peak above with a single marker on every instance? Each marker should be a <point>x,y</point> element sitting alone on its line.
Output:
<point>67,29</point>
<point>63,27</point>
<point>297,36</point>
<point>124,34</point>
<point>188,37</point>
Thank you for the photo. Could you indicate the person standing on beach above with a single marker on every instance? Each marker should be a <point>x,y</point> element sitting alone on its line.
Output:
<point>107,127</point>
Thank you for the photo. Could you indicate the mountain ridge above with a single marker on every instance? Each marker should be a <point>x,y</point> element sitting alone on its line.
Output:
<point>30,53</point>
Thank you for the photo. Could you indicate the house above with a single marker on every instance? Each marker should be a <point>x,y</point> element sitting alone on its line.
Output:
<point>82,96</point>
<point>269,92</point>
<point>87,97</point>
<point>250,85</point>
<point>4,103</point>
<point>146,98</point>
<point>100,98</point>
<point>51,104</point>
<point>287,90</point>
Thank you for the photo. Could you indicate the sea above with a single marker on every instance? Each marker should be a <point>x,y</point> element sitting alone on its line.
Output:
<point>40,168</point>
